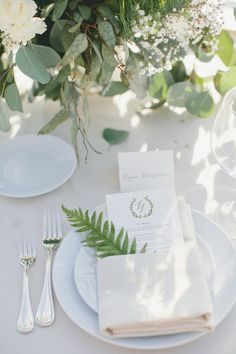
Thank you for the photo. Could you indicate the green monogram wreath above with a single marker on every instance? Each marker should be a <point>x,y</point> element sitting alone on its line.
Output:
<point>140,215</point>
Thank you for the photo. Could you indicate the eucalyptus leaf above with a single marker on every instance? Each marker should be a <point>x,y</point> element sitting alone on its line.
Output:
<point>225,47</point>
<point>106,32</point>
<point>79,45</point>
<point>67,37</point>
<point>179,93</point>
<point>5,125</point>
<point>47,55</point>
<point>74,133</point>
<point>106,73</point>
<point>132,63</point>
<point>108,56</point>
<point>96,48</point>
<point>47,10</point>
<point>178,72</point>
<point>55,35</point>
<point>59,118</point>
<point>67,92</point>
<point>31,66</point>
<point>201,104</point>
<point>115,136</point>
<point>76,27</point>
<point>159,84</point>
<point>59,9</point>
<point>106,12</point>
<point>226,80</point>
<point>12,98</point>
<point>114,88</point>
<point>95,68</point>
<point>85,11</point>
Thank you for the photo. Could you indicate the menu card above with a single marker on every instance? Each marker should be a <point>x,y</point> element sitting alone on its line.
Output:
<point>150,216</point>
<point>146,170</point>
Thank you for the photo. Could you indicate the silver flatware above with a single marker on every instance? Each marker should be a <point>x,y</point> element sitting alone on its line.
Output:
<point>51,239</point>
<point>27,256</point>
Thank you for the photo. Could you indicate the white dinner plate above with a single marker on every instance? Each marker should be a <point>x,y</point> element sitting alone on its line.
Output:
<point>34,164</point>
<point>86,264</point>
<point>79,312</point>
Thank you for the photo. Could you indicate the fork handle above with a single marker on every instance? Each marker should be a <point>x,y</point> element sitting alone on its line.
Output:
<point>25,322</point>
<point>45,314</point>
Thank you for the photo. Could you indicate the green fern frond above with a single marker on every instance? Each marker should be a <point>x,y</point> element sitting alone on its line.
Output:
<point>101,236</point>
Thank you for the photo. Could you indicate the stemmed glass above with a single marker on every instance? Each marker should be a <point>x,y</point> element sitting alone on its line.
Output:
<point>223,144</point>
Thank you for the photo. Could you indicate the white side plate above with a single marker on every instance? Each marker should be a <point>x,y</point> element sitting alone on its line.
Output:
<point>32,165</point>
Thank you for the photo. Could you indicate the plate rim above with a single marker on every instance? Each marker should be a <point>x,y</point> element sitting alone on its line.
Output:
<point>133,346</point>
<point>45,190</point>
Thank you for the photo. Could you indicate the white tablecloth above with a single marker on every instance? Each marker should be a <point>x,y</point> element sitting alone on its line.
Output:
<point>197,176</point>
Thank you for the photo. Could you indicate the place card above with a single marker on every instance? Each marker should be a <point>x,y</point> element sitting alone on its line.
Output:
<point>150,216</point>
<point>146,170</point>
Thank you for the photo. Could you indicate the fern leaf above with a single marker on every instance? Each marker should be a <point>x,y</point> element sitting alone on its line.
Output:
<point>112,233</point>
<point>105,229</point>
<point>93,219</point>
<point>119,238</point>
<point>101,237</point>
<point>133,247</point>
<point>99,222</point>
<point>125,245</point>
<point>143,250</point>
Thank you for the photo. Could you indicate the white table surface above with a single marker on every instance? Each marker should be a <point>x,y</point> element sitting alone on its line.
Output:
<point>197,176</point>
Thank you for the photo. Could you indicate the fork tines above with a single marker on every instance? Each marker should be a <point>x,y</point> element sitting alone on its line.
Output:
<point>27,246</point>
<point>52,227</point>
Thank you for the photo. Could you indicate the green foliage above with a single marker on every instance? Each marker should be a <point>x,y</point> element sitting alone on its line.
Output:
<point>59,118</point>
<point>4,117</point>
<point>115,136</point>
<point>101,235</point>
<point>55,35</point>
<point>114,88</point>
<point>59,9</point>
<point>159,84</point>
<point>78,46</point>
<point>107,34</point>
<point>225,48</point>
<point>81,47</point>
<point>200,104</point>
<point>179,93</point>
<point>48,56</point>
<point>29,63</point>
<point>12,98</point>
<point>226,80</point>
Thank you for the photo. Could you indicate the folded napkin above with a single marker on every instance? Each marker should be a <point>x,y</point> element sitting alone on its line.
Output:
<point>155,294</point>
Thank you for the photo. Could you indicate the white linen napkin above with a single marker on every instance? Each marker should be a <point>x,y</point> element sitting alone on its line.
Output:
<point>155,294</point>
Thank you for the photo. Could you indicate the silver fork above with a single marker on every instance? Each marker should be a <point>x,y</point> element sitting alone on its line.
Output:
<point>27,256</point>
<point>51,239</point>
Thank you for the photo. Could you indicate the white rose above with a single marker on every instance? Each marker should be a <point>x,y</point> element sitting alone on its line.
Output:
<point>15,12</point>
<point>17,21</point>
<point>22,33</point>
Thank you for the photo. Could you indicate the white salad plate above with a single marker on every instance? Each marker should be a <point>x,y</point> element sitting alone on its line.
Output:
<point>222,259</point>
<point>32,165</point>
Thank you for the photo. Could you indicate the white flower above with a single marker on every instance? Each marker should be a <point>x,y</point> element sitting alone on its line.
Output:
<point>17,21</point>
<point>179,26</point>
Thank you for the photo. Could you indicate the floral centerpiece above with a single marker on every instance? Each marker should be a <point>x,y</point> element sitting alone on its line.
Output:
<point>70,46</point>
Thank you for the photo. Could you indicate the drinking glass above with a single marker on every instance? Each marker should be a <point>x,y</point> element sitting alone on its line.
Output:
<point>223,145</point>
